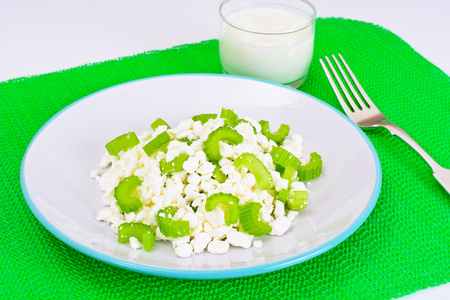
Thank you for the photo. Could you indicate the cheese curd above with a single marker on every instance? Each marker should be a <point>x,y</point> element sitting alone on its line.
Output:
<point>188,190</point>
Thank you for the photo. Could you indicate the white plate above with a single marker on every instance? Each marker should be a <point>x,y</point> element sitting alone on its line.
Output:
<point>59,191</point>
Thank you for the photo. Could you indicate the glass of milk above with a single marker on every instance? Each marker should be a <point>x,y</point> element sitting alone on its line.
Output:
<point>267,39</point>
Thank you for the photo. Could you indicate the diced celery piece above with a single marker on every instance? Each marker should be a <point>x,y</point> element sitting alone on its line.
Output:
<point>283,195</point>
<point>256,167</point>
<point>143,232</point>
<point>297,200</point>
<point>175,165</point>
<point>277,136</point>
<point>250,221</point>
<point>122,143</point>
<point>125,192</point>
<point>288,174</point>
<point>222,134</point>
<point>284,158</point>
<point>204,117</point>
<point>230,202</point>
<point>218,174</point>
<point>159,122</point>
<point>157,143</point>
<point>170,227</point>
<point>312,169</point>
<point>230,117</point>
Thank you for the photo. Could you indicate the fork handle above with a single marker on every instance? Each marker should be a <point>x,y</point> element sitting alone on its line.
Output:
<point>440,173</point>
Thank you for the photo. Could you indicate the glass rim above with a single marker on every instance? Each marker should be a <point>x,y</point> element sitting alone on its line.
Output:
<point>313,19</point>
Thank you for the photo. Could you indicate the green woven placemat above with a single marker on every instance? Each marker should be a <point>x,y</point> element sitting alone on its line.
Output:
<point>403,246</point>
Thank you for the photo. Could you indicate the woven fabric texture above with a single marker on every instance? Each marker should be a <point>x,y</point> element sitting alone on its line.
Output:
<point>403,246</point>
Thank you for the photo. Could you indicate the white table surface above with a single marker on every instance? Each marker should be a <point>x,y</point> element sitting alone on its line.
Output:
<point>38,36</point>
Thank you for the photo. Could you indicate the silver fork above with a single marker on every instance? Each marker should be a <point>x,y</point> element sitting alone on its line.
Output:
<point>365,114</point>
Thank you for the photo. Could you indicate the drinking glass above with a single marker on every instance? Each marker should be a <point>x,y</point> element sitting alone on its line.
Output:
<point>267,39</point>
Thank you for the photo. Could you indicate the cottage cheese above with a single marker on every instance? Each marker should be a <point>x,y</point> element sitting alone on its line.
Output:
<point>189,189</point>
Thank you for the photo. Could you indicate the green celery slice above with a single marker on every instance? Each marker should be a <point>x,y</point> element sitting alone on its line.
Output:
<point>204,117</point>
<point>122,143</point>
<point>143,232</point>
<point>230,202</point>
<point>284,158</point>
<point>288,174</point>
<point>279,169</point>
<point>230,117</point>
<point>297,200</point>
<point>250,221</point>
<point>222,134</point>
<point>175,165</point>
<point>283,195</point>
<point>159,122</point>
<point>256,167</point>
<point>124,193</point>
<point>271,190</point>
<point>277,136</point>
<point>218,174</point>
<point>170,227</point>
<point>165,147</point>
<point>167,211</point>
<point>311,170</point>
<point>157,143</point>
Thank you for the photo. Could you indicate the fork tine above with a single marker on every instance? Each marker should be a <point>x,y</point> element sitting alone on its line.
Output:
<point>358,85</point>
<point>347,80</point>
<point>348,110</point>
<point>349,101</point>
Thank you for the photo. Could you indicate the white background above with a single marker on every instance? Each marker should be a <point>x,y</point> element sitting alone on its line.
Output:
<point>39,36</point>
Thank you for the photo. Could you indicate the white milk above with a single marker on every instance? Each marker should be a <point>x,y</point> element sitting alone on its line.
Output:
<point>282,58</point>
